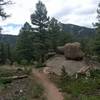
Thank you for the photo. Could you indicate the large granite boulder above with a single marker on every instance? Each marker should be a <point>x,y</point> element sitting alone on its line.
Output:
<point>72,51</point>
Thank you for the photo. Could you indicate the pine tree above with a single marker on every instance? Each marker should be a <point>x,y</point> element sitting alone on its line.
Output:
<point>24,46</point>
<point>40,21</point>
<point>2,12</point>
<point>55,30</point>
<point>8,52</point>
<point>56,35</point>
<point>97,39</point>
<point>98,17</point>
<point>2,54</point>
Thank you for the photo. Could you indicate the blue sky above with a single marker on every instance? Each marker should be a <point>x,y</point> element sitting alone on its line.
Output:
<point>79,12</point>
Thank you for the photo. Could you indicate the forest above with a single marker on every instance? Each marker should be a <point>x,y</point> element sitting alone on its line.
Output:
<point>24,58</point>
<point>44,34</point>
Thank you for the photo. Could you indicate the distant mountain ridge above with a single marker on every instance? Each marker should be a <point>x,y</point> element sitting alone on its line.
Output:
<point>75,30</point>
<point>79,31</point>
<point>10,39</point>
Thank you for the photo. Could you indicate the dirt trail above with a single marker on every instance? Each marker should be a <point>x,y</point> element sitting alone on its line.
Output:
<point>51,90</point>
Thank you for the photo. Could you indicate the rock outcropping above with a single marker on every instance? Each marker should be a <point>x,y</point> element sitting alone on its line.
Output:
<point>72,51</point>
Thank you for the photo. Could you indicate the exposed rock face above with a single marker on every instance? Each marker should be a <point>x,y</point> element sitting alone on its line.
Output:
<point>57,62</point>
<point>72,51</point>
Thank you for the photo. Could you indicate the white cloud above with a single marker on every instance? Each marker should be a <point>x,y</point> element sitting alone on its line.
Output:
<point>11,28</point>
<point>80,12</point>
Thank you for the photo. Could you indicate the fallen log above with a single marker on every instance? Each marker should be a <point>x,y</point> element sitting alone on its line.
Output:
<point>15,77</point>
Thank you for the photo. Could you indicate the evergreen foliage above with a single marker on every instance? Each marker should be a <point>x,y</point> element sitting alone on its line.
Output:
<point>2,4</point>
<point>97,38</point>
<point>6,56</point>
<point>2,54</point>
<point>40,21</point>
<point>55,30</point>
<point>24,46</point>
<point>34,42</point>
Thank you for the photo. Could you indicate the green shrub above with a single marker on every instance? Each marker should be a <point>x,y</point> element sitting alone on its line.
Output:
<point>64,75</point>
<point>85,97</point>
<point>95,73</point>
<point>5,80</point>
<point>6,72</point>
<point>24,62</point>
<point>27,70</point>
<point>37,91</point>
<point>79,86</point>
<point>20,98</point>
<point>39,65</point>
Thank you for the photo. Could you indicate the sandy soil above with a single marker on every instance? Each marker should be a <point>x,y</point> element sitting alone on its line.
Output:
<point>51,91</point>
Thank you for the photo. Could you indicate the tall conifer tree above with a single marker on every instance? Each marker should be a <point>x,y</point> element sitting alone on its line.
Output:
<point>39,19</point>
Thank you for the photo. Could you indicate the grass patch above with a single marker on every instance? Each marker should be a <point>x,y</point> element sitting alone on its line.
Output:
<point>6,72</point>
<point>82,88</point>
<point>84,97</point>
<point>37,91</point>
<point>31,90</point>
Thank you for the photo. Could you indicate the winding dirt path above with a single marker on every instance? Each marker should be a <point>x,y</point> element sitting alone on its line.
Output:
<point>52,92</point>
